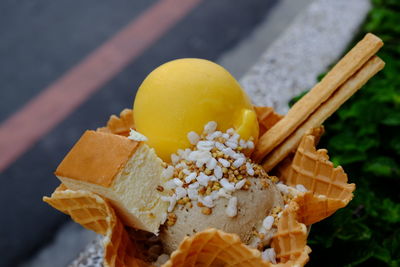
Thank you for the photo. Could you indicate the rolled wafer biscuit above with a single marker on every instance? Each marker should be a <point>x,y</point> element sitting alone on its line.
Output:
<point>343,70</point>
<point>374,65</point>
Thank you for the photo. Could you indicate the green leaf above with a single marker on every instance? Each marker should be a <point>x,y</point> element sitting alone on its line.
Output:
<point>393,119</point>
<point>382,166</point>
<point>395,144</point>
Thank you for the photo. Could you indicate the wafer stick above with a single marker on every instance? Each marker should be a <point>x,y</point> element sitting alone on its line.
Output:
<point>345,68</point>
<point>374,65</point>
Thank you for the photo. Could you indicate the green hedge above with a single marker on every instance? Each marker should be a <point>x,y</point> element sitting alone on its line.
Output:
<point>364,137</point>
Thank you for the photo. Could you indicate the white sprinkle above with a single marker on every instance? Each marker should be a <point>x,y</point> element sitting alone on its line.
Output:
<point>199,164</point>
<point>239,162</point>
<point>225,136</point>
<point>177,182</point>
<point>283,188</point>
<point>240,184</point>
<point>172,204</point>
<point>227,185</point>
<point>222,193</point>
<point>230,131</point>
<point>186,171</point>
<point>180,193</point>
<point>180,152</point>
<point>207,201</point>
<point>210,127</point>
<point>228,151</point>
<point>268,222</point>
<point>301,188</point>
<point>190,177</point>
<point>203,179</point>
<point>195,185</point>
<point>166,199</point>
<point>168,172</point>
<point>136,136</point>
<point>186,154</point>
<point>249,169</point>
<point>224,162</point>
<point>214,135</point>
<point>250,144</point>
<point>219,146</point>
<point>218,172</point>
<point>213,178</point>
<point>201,156</point>
<point>211,163</point>
<point>262,230</point>
<point>171,200</point>
<point>205,145</point>
<point>192,193</point>
<point>181,165</point>
<point>231,209</point>
<point>231,144</point>
<point>269,255</point>
<point>214,195</point>
<point>238,156</point>
<point>235,137</point>
<point>243,143</point>
<point>170,184</point>
<point>193,137</point>
<point>175,158</point>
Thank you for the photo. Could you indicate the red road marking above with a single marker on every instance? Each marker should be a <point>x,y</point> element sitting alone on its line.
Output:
<point>41,114</point>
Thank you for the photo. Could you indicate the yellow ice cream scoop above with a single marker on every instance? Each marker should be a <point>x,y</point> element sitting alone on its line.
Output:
<point>185,94</point>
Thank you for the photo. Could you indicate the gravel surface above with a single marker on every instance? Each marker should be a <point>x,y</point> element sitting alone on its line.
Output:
<point>316,39</point>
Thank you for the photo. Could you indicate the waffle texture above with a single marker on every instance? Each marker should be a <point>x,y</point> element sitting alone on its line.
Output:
<point>327,185</point>
<point>290,241</point>
<point>119,125</point>
<point>96,214</point>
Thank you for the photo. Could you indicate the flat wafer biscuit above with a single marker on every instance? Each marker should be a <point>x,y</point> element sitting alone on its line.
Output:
<point>299,113</point>
<point>374,65</point>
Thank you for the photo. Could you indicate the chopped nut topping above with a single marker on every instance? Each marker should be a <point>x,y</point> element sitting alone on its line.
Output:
<point>160,188</point>
<point>171,219</point>
<point>206,211</point>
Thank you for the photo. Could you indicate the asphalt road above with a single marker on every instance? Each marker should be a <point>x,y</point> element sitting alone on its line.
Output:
<point>40,40</point>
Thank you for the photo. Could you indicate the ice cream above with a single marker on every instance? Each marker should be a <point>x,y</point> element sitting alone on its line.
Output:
<point>252,207</point>
<point>182,96</point>
<point>213,184</point>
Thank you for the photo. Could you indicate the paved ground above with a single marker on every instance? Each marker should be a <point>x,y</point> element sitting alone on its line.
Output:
<point>40,41</point>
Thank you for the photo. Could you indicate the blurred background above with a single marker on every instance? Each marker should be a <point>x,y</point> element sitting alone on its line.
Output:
<point>66,66</point>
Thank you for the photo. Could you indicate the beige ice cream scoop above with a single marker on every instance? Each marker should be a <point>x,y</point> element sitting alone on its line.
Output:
<point>253,206</point>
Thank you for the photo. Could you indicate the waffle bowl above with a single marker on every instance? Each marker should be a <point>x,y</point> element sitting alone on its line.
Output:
<point>214,247</point>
